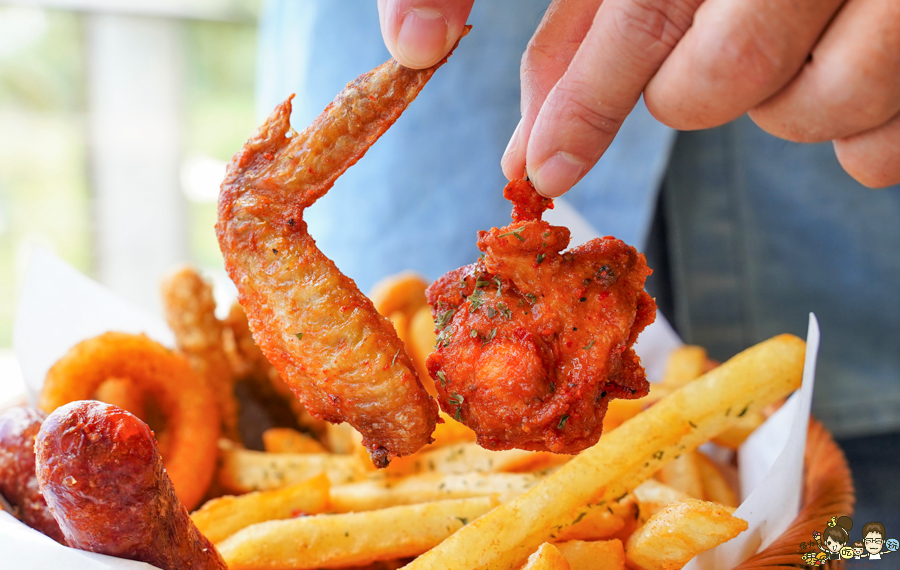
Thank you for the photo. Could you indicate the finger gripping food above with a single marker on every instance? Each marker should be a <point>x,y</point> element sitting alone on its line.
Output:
<point>534,341</point>
<point>342,359</point>
<point>192,422</point>
<point>18,481</point>
<point>105,483</point>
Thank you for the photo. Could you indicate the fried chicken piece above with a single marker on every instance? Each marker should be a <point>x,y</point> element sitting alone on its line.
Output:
<point>533,340</point>
<point>342,359</point>
<point>191,313</point>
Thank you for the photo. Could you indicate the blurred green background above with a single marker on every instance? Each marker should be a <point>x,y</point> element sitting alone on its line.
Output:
<point>46,195</point>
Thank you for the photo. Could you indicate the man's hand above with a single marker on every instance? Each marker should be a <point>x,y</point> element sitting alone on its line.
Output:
<point>418,33</point>
<point>805,70</point>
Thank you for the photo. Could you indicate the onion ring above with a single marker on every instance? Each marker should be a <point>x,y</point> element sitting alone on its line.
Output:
<point>192,422</point>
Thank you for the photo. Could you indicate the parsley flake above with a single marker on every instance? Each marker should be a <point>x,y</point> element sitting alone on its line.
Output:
<point>517,233</point>
<point>562,421</point>
<point>479,283</point>
<point>504,310</point>
<point>489,338</point>
<point>443,319</point>
<point>540,258</point>
<point>476,299</point>
<point>588,347</point>
<point>531,298</point>
<point>473,333</point>
<point>442,378</point>
<point>299,336</point>
<point>394,360</point>
<point>491,312</point>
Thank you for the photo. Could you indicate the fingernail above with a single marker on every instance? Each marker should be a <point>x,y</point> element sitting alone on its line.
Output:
<point>557,174</point>
<point>511,147</point>
<point>422,37</point>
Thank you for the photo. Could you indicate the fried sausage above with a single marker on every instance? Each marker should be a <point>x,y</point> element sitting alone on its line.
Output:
<point>103,479</point>
<point>18,482</point>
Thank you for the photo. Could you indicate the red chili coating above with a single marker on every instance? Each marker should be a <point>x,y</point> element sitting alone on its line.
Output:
<point>18,481</point>
<point>103,479</point>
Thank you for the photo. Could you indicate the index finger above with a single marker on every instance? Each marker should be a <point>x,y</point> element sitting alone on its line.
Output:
<point>627,43</point>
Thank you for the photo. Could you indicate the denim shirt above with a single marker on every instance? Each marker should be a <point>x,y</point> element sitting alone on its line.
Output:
<point>759,232</point>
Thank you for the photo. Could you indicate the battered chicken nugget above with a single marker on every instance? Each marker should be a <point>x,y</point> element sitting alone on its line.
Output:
<point>536,339</point>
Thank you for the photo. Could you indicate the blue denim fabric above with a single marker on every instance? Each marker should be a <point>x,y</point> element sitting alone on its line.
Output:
<point>760,231</point>
<point>417,199</point>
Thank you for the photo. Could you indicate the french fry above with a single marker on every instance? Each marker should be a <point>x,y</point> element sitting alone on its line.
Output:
<point>287,440</point>
<point>598,555</point>
<point>715,487</point>
<point>653,496</point>
<point>388,492</point>
<point>403,292</point>
<point>624,457</point>
<point>686,363</point>
<point>596,524</point>
<point>681,531</point>
<point>421,341</point>
<point>683,473</point>
<point>733,437</point>
<point>547,557</point>
<point>220,518</point>
<point>243,470</point>
<point>343,439</point>
<point>466,457</point>
<point>400,320</point>
<point>621,410</point>
<point>327,541</point>
<point>451,431</point>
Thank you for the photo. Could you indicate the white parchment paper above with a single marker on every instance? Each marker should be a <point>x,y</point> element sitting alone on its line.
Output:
<point>60,307</point>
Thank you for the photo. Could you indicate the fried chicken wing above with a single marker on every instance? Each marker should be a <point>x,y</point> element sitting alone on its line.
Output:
<point>342,359</point>
<point>534,340</point>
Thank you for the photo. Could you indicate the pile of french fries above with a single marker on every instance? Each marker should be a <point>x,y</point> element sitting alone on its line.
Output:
<point>643,497</point>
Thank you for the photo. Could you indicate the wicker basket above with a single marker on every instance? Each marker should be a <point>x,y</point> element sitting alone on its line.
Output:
<point>828,492</point>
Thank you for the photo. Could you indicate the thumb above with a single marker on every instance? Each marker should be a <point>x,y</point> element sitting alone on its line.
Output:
<point>419,33</point>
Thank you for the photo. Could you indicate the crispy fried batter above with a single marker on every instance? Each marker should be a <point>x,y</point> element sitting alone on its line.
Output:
<point>534,341</point>
<point>342,359</point>
<point>191,312</point>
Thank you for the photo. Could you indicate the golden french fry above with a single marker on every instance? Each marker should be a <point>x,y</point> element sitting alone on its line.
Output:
<point>403,292</point>
<point>681,531</point>
<point>686,363</point>
<point>653,496</point>
<point>466,457</point>
<point>624,457</point>
<point>389,492</point>
<point>715,487</point>
<point>243,470</point>
<point>451,431</point>
<point>733,437</point>
<point>343,439</point>
<point>287,440</point>
<point>327,541</point>
<point>400,320</point>
<point>595,524</point>
<point>621,410</point>
<point>220,518</point>
<point>599,555</point>
<point>421,342</point>
<point>683,473</point>
<point>547,557</point>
